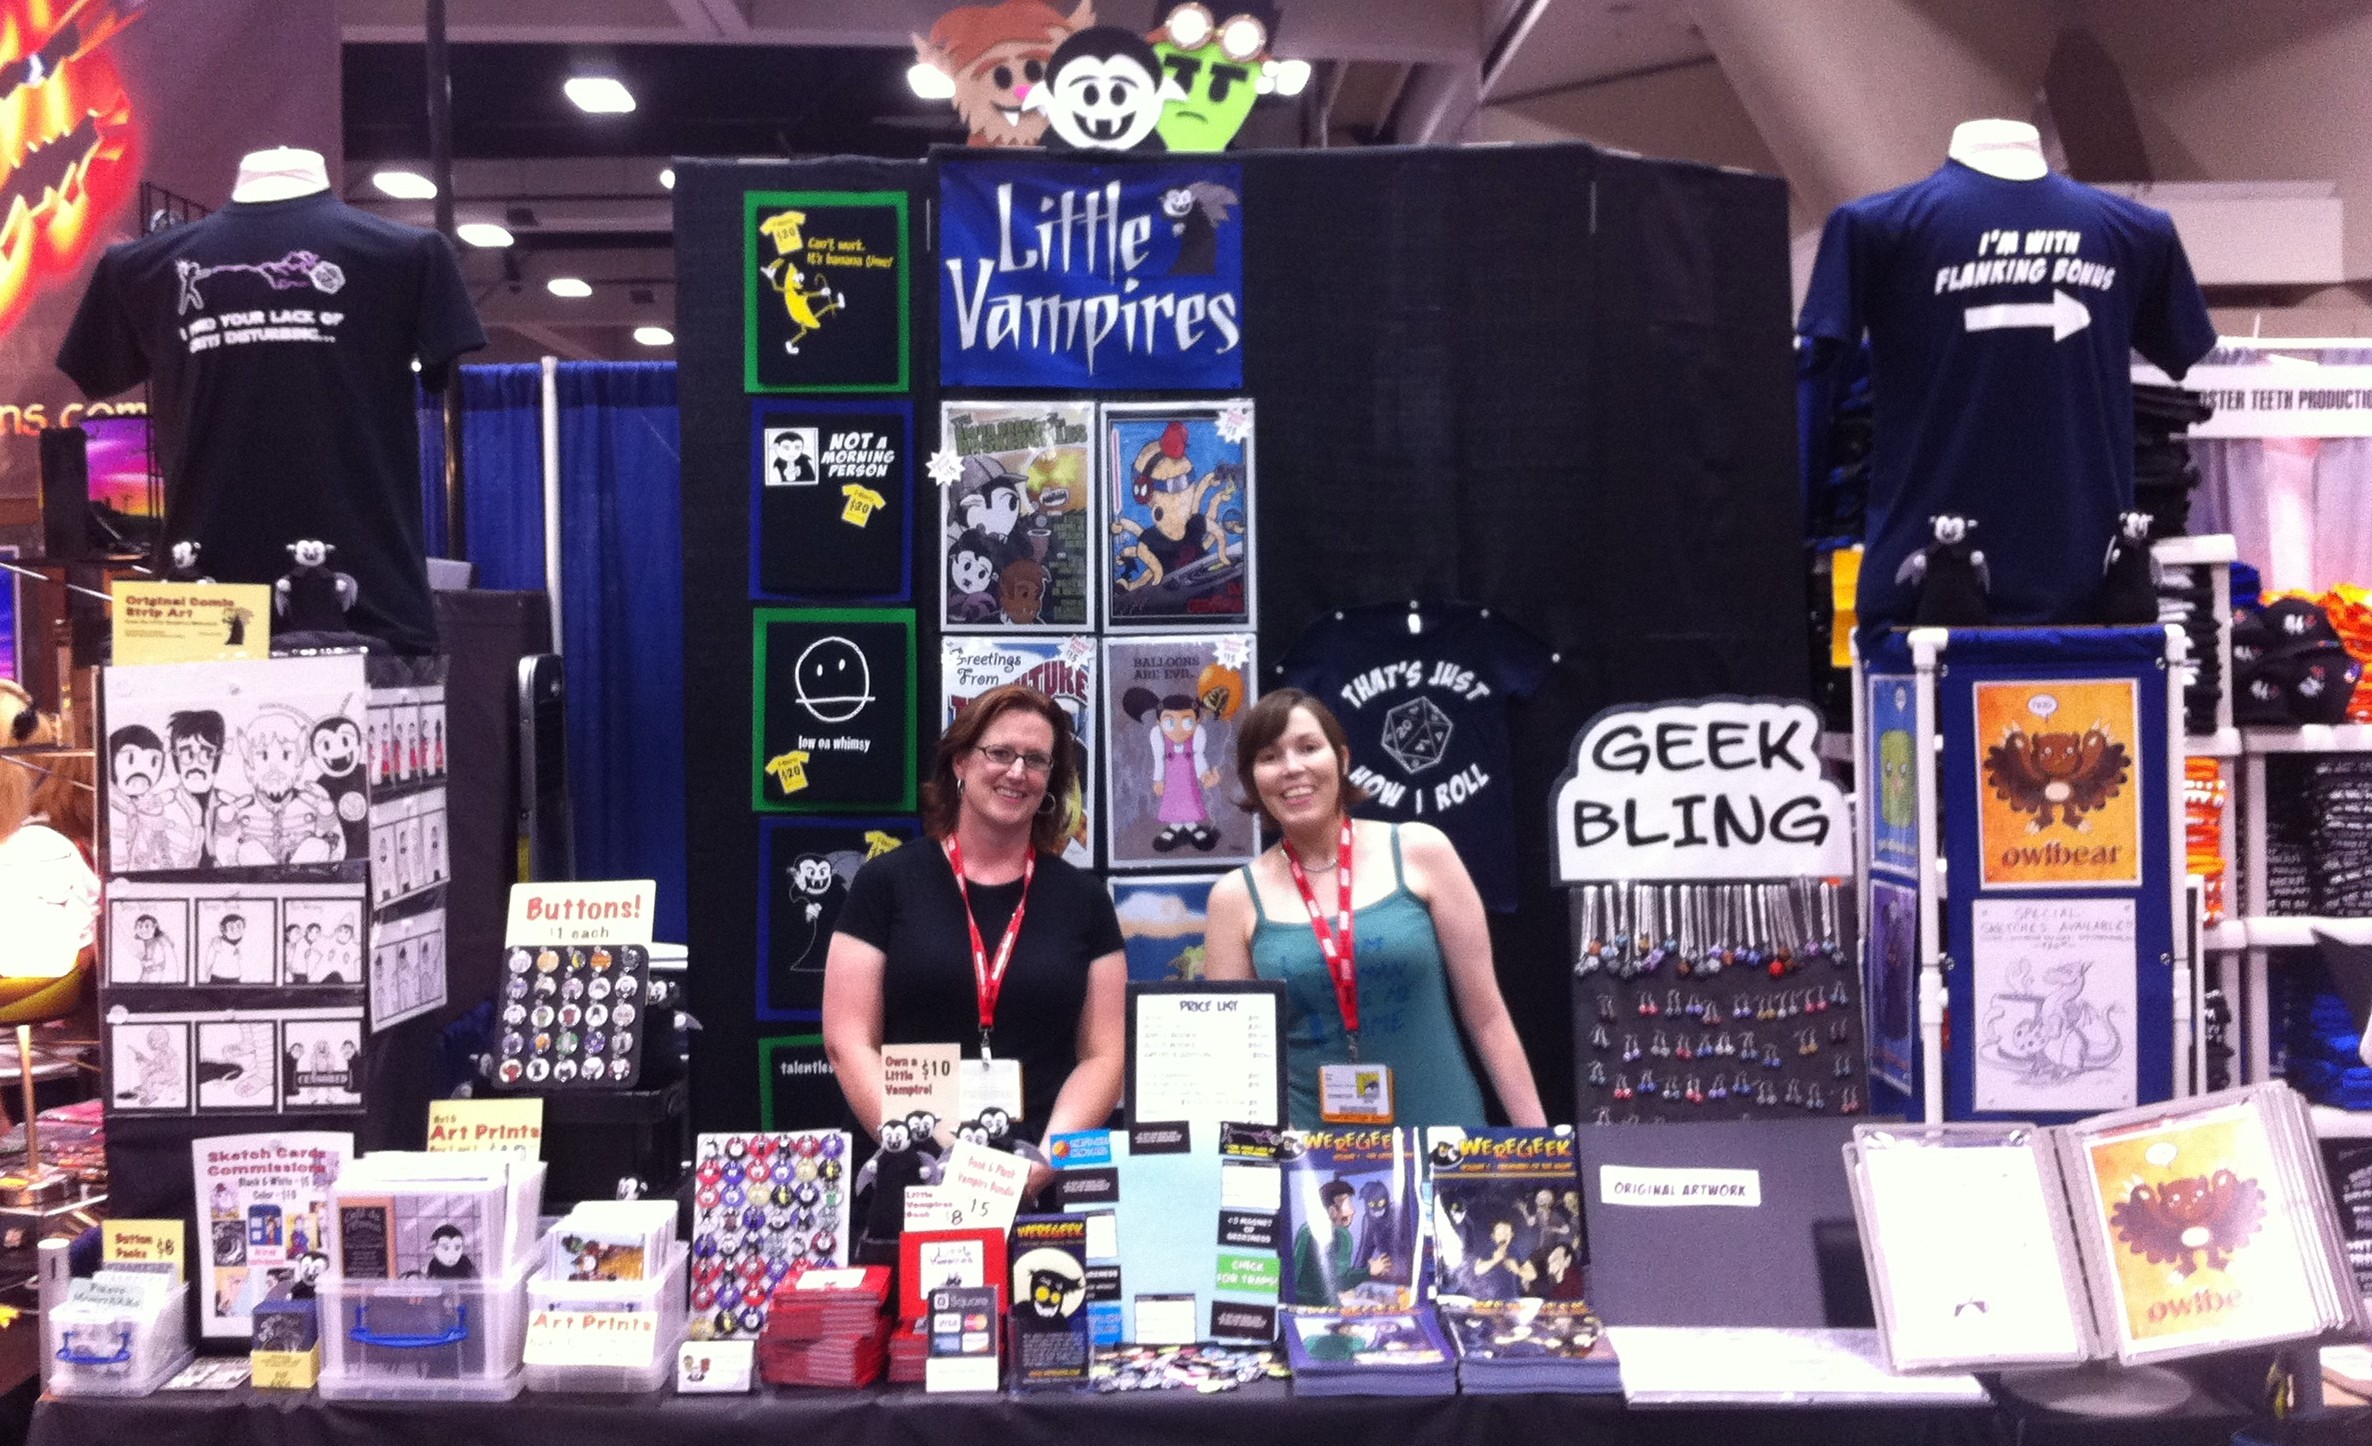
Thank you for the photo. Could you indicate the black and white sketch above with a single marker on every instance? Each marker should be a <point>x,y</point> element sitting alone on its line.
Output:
<point>238,1065</point>
<point>408,854</point>
<point>236,937</point>
<point>322,940</point>
<point>216,765</point>
<point>407,967</point>
<point>321,1062</point>
<point>148,1066</point>
<point>148,941</point>
<point>2055,986</point>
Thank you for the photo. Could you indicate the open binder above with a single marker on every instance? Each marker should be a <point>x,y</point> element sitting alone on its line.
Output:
<point>2179,1229</point>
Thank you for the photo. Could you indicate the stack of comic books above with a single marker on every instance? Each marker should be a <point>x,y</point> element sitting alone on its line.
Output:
<point>2144,1235</point>
<point>827,1326</point>
<point>1530,1345</point>
<point>1368,1352</point>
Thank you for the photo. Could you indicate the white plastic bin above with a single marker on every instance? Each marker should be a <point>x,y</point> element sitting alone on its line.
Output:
<point>421,1339</point>
<point>665,1298</point>
<point>94,1351</point>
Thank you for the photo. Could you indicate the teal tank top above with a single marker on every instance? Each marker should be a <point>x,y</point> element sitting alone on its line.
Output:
<point>1405,1019</point>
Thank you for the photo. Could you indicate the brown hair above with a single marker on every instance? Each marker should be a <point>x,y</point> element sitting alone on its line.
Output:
<point>21,726</point>
<point>1264,723</point>
<point>942,800</point>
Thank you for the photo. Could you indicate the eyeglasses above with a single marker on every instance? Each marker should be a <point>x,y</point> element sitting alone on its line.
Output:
<point>1000,757</point>
<point>1190,27</point>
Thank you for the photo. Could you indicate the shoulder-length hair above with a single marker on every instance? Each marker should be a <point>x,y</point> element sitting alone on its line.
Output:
<point>1264,723</point>
<point>942,800</point>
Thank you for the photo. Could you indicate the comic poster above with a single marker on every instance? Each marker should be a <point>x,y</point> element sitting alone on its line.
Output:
<point>2059,783</point>
<point>1894,825</point>
<point>1351,1228</point>
<point>809,865</point>
<point>1170,708</point>
<point>2055,984</point>
<point>245,1061</point>
<point>825,291</point>
<point>2204,1250</point>
<point>407,966</point>
<point>168,934</point>
<point>1178,509</point>
<point>834,698</point>
<point>831,501</point>
<point>1893,985</point>
<point>1061,668</point>
<point>232,765</point>
<point>1162,919</point>
<point>1016,482</point>
<point>262,1203</point>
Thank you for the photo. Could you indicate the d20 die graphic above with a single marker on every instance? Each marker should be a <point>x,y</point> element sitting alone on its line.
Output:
<point>1417,734</point>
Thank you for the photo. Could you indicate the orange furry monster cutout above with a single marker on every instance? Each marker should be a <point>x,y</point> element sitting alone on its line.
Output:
<point>994,54</point>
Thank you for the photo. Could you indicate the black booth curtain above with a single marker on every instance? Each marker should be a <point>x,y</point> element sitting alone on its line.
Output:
<point>1546,379</point>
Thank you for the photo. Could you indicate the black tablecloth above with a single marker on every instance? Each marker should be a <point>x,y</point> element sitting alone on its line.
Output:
<point>1267,1414</point>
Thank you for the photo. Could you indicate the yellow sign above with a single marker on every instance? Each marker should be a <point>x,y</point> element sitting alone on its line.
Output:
<point>2059,783</point>
<point>285,1370</point>
<point>622,1338</point>
<point>184,622</point>
<point>789,769</point>
<point>503,1126</point>
<point>141,1242</point>
<point>1844,592</point>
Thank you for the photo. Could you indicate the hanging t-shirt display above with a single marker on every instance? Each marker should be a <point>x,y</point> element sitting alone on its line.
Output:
<point>278,340</point>
<point>835,706</point>
<point>832,500</point>
<point>1426,711</point>
<point>2002,315</point>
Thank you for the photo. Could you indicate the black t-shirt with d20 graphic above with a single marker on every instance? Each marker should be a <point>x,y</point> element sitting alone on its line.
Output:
<point>1426,713</point>
<point>834,499</point>
<point>278,340</point>
<point>825,290</point>
<point>835,710</point>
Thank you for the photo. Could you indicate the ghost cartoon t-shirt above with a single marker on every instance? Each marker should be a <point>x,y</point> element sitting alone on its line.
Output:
<point>1426,713</point>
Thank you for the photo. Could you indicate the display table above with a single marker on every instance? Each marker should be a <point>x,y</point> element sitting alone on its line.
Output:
<point>1256,1416</point>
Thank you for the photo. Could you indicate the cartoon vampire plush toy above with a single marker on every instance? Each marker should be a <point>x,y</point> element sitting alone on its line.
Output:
<point>1104,91</point>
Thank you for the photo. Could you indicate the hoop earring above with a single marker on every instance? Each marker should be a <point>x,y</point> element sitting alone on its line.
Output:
<point>1045,803</point>
<point>959,785</point>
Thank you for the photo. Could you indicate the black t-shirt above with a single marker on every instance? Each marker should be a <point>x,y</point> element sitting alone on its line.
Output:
<point>905,904</point>
<point>278,338</point>
<point>1426,713</point>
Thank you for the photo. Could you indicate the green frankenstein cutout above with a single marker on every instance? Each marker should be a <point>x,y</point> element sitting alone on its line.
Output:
<point>1218,64</point>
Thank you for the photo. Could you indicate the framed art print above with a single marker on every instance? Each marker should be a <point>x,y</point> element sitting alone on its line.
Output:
<point>825,291</point>
<point>1177,493</point>
<point>1016,492</point>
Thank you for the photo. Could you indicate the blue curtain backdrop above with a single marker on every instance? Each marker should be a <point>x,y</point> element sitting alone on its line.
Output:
<point>621,580</point>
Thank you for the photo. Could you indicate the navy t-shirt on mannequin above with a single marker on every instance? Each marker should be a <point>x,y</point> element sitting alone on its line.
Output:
<point>1426,714</point>
<point>2002,316</point>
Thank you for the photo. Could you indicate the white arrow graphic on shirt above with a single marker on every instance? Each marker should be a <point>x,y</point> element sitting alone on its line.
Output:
<point>2063,314</point>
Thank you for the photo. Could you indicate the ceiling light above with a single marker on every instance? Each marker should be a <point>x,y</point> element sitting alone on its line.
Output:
<point>654,336</point>
<point>482,233</point>
<point>1292,76</point>
<point>573,287</point>
<point>405,185</point>
<point>599,94</point>
<point>667,177</point>
<point>929,82</point>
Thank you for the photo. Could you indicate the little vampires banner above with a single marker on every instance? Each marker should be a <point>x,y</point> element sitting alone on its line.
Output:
<point>1091,277</point>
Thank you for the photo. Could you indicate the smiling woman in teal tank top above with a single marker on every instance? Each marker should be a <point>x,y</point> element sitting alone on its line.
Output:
<point>1422,942</point>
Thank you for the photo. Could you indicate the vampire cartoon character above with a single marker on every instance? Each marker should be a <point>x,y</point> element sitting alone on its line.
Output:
<point>309,597</point>
<point>338,758</point>
<point>1104,91</point>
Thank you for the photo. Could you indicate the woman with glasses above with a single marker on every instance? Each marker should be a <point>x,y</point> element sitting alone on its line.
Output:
<point>980,934</point>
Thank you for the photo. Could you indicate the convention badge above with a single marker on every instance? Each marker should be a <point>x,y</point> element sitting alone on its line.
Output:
<point>984,1084</point>
<point>1355,1094</point>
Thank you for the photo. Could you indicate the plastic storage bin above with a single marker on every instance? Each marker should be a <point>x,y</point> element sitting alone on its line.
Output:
<point>422,1339</point>
<point>665,1298</point>
<point>94,1351</point>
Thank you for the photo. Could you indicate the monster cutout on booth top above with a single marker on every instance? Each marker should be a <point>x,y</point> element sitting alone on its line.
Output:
<point>1104,91</point>
<point>994,57</point>
<point>1219,67</point>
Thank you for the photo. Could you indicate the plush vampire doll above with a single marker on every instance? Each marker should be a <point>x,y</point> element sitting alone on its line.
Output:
<point>185,567</point>
<point>1950,576</point>
<point>2129,578</point>
<point>310,598</point>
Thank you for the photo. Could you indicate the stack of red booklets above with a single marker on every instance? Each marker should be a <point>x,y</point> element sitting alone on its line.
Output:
<point>827,1327</point>
<point>909,1353</point>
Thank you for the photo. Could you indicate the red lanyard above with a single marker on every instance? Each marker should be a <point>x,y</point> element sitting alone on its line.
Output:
<point>988,976</point>
<point>1338,941</point>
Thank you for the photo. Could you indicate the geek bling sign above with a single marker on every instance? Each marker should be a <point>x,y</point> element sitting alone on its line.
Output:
<point>1091,277</point>
<point>1726,788</point>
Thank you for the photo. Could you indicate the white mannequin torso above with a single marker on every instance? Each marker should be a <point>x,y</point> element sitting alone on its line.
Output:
<point>282,173</point>
<point>2012,150</point>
